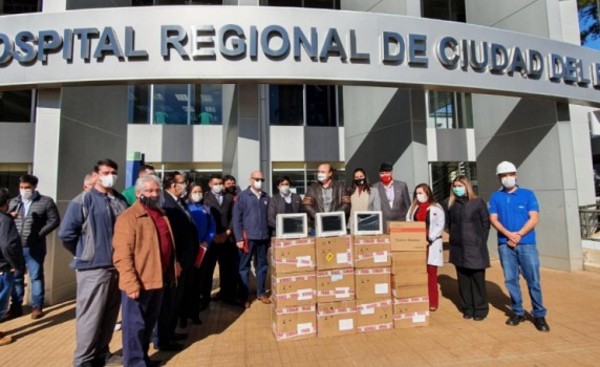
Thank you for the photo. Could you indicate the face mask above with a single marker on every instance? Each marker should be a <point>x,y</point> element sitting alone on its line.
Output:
<point>108,181</point>
<point>360,182</point>
<point>422,198</point>
<point>509,182</point>
<point>257,185</point>
<point>196,198</point>
<point>284,189</point>
<point>322,177</point>
<point>153,203</point>
<point>217,189</point>
<point>385,179</point>
<point>26,194</point>
<point>231,190</point>
<point>459,191</point>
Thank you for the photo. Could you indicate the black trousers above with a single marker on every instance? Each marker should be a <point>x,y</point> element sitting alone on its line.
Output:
<point>226,254</point>
<point>472,291</point>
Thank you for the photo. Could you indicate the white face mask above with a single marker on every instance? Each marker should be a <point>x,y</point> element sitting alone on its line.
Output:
<point>217,189</point>
<point>108,181</point>
<point>197,197</point>
<point>509,182</point>
<point>422,198</point>
<point>321,177</point>
<point>26,194</point>
<point>257,185</point>
<point>284,189</point>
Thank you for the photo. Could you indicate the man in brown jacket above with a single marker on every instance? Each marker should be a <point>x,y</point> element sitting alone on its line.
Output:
<point>145,259</point>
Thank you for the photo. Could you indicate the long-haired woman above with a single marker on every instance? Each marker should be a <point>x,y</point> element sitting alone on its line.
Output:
<point>362,198</point>
<point>425,209</point>
<point>469,226</point>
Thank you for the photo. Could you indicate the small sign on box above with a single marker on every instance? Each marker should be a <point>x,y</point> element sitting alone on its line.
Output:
<point>408,236</point>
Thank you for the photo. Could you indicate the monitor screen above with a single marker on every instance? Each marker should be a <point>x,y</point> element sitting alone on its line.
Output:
<point>291,225</point>
<point>368,223</point>
<point>330,224</point>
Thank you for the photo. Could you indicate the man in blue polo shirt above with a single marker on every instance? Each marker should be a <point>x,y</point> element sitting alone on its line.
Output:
<point>514,212</point>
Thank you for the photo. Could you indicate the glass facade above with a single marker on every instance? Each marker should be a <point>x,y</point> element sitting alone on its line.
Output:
<point>20,6</point>
<point>17,106</point>
<point>176,104</point>
<point>9,177</point>
<point>453,10</point>
<point>305,105</point>
<point>449,110</point>
<point>442,174</point>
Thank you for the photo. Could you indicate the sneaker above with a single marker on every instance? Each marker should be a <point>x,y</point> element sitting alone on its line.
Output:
<point>515,320</point>
<point>541,325</point>
<point>264,299</point>
<point>36,313</point>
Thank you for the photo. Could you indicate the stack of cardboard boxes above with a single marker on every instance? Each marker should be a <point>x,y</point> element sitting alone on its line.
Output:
<point>409,274</point>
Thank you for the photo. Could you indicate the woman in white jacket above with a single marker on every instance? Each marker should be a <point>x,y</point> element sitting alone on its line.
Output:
<point>425,209</point>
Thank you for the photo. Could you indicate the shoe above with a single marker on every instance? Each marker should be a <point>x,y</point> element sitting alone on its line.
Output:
<point>433,309</point>
<point>467,317</point>
<point>5,339</point>
<point>247,304</point>
<point>179,337</point>
<point>37,313</point>
<point>114,360</point>
<point>541,325</point>
<point>478,318</point>
<point>264,299</point>
<point>171,347</point>
<point>515,320</point>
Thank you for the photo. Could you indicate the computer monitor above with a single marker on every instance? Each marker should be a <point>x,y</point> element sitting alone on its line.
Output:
<point>367,223</point>
<point>330,224</point>
<point>291,225</point>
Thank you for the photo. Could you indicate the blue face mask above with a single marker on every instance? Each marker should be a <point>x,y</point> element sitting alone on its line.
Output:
<point>459,191</point>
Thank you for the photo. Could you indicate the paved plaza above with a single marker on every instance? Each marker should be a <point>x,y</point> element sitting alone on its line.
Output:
<point>231,337</point>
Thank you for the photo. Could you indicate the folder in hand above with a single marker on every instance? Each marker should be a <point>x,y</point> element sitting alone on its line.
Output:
<point>201,252</point>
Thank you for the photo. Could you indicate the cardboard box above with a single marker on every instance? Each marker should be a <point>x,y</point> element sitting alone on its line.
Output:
<point>374,315</point>
<point>372,251</point>
<point>292,255</point>
<point>292,323</point>
<point>410,320</point>
<point>411,305</point>
<point>407,236</point>
<point>336,318</point>
<point>335,285</point>
<point>334,253</point>
<point>294,290</point>
<point>400,290</point>
<point>373,284</point>
<point>409,268</point>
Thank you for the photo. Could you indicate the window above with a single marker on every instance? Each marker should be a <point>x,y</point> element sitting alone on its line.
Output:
<point>17,106</point>
<point>311,105</point>
<point>453,10</point>
<point>9,177</point>
<point>322,4</point>
<point>176,104</point>
<point>303,174</point>
<point>442,174</point>
<point>449,110</point>
<point>20,6</point>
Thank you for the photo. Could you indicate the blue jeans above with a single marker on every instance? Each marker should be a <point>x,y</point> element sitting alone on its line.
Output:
<point>139,318</point>
<point>34,259</point>
<point>6,283</point>
<point>523,259</point>
<point>258,249</point>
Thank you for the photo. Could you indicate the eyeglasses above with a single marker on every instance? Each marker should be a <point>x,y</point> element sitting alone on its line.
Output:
<point>258,179</point>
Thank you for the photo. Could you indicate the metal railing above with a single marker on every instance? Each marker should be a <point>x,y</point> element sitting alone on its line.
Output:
<point>589,219</point>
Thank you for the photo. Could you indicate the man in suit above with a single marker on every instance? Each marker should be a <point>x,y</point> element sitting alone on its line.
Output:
<point>186,248</point>
<point>222,249</point>
<point>395,199</point>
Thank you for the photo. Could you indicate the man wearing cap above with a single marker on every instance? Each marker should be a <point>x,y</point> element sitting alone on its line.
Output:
<point>395,199</point>
<point>514,212</point>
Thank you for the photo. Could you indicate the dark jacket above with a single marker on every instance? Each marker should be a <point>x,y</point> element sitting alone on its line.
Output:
<point>313,200</point>
<point>11,251</point>
<point>250,216</point>
<point>184,230</point>
<point>220,213</point>
<point>277,206</point>
<point>42,218</point>
<point>87,228</point>
<point>469,226</point>
<point>397,212</point>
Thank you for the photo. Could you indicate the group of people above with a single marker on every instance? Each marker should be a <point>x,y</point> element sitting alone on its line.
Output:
<point>152,250</point>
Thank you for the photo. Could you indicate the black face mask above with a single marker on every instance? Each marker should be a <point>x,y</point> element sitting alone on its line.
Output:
<point>231,190</point>
<point>360,182</point>
<point>152,203</point>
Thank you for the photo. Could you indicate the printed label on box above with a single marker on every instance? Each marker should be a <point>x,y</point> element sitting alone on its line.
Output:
<point>381,288</point>
<point>302,261</point>
<point>342,258</point>
<point>419,318</point>
<point>337,277</point>
<point>380,257</point>
<point>305,294</point>
<point>342,292</point>
<point>305,328</point>
<point>367,310</point>
<point>346,324</point>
